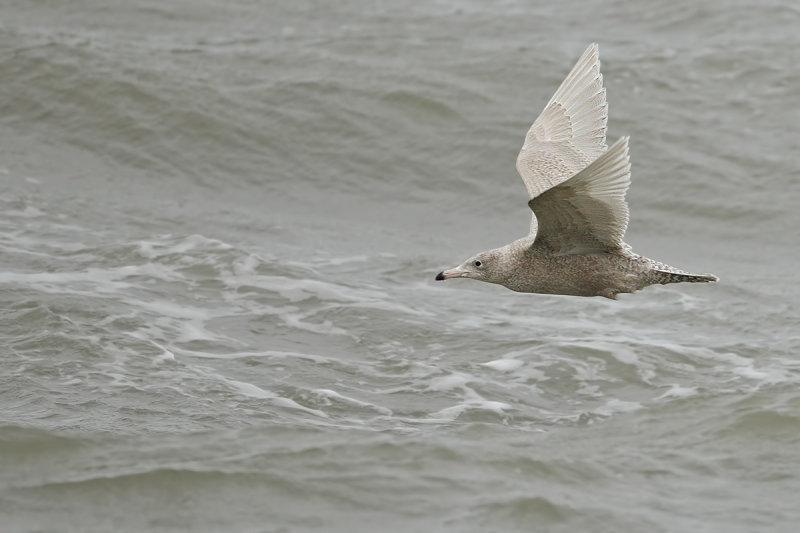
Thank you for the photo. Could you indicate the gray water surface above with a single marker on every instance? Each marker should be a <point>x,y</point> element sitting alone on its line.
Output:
<point>219,228</point>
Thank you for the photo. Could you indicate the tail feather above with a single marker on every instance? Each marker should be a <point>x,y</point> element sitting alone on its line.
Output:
<point>664,277</point>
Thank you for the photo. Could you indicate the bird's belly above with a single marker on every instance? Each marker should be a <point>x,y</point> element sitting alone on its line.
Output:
<point>580,275</point>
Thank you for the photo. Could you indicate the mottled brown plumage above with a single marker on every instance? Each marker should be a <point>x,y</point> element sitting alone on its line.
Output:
<point>577,194</point>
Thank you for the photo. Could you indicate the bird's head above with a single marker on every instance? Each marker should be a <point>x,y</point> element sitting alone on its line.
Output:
<point>488,266</point>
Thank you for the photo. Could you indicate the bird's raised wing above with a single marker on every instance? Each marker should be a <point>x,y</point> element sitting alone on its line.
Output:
<point>570,132</point>
<point>587,213</point>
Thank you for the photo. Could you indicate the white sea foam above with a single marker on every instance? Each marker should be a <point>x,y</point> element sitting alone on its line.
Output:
<point>455,411</point>
<point>450,382</point>
<point>331,394</point>
<point>254,391</point>
<point>615,405</point>
<point>678,391</point>
<point>504,365</point>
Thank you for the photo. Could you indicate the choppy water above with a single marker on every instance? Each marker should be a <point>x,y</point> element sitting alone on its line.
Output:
<point>219,227</point>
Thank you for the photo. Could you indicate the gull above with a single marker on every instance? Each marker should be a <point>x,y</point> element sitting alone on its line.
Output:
<point>577,189</point>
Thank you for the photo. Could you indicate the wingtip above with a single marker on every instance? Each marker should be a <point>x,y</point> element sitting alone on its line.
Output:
<point>621,144</point>
<point>624,147</point>
<point>593,50</point>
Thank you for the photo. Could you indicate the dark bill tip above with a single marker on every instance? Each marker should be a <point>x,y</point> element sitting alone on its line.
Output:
<point>440,276</point>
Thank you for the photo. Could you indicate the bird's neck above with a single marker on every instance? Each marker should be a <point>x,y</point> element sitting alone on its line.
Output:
<point>513,255</point>
<point>520,246</point>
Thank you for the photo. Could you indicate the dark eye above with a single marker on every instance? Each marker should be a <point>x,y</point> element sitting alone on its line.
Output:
<point>477,263</point>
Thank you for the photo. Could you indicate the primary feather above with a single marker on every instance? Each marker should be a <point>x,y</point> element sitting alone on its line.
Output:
<point>571,131</point>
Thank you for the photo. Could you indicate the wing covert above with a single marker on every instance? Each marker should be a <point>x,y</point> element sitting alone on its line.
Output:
<point>587,213</point>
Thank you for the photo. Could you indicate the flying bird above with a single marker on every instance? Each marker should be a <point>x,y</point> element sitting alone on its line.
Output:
<point>577,189</point>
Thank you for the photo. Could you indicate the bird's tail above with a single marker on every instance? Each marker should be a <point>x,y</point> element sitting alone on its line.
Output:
<point>664,276</point>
